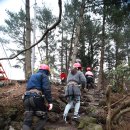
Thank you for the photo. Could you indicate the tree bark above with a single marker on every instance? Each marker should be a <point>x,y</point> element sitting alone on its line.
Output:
<point>114,104</point>
<point>62,45</point>
<point>70,49</point>
<point>101,73</point>
<point>108,98</point>
<point>121,107</point>
<point>117,117</point>
<point>77,37</point>
<point>47,49</point>
<point>28,41</point>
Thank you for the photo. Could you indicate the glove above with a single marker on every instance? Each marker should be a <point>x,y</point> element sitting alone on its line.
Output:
<point>50,106</point>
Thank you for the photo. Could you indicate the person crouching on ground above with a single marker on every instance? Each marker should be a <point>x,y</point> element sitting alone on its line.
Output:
<point>37,88</point>
<point>72,91</point>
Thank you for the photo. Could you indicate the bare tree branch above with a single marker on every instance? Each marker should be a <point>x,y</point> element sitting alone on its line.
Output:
<point>115,103</point>
<point>117,117</point>
<point>49,29</point>
<point>124,105</point>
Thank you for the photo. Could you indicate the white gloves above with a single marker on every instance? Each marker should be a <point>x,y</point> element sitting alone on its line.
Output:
<point>50,106</point>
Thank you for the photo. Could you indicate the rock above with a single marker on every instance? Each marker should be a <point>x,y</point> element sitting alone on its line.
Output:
<point>53,117</point>
<point>56,108</point>
<point>11,128</point>
<point>12,113</point>
<point>62,98</point>
<point>1,84</point>
<point>84,104</point>
<point>2,123</point>
<point>98,127</point>
<point>90,110</point>
<point>102,102</point>
<point>85,121</point>
<point>89,123</point>
<point>16,125</point>
<point>86,98</point>
<point>92,126</point>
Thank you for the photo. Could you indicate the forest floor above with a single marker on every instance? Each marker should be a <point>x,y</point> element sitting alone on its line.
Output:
<point>12,96</point>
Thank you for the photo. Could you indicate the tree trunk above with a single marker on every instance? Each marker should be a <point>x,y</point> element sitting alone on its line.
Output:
<point>125,104</point>
<point>47,56</point>
<point>128,53</point>
<point>77,37</point>
<point>101,73</point>
<point>108,97</point>
<point>66,59</point>
<point>24,43</point>
<point>62,45</point>
<point>71,44</point>
<point>28,41</point>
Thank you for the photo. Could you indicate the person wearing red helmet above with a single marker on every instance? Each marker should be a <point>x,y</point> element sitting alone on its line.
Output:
<point>89,77</point>
<point>88,69</point>
<point>72,91</point>
<point>63,77</point>
<point>38,87</point>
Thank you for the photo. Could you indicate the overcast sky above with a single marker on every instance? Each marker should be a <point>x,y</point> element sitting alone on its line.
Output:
<point>15,5</point>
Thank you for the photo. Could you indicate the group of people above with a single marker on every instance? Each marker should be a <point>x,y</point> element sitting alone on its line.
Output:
<point>38,89</point>
<point>89,77</point>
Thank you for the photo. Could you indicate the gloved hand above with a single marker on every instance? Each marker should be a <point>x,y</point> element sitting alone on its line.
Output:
<point>50,106</point>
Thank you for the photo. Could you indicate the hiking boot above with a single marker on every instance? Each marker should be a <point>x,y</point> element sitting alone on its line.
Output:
<point>76,116</point>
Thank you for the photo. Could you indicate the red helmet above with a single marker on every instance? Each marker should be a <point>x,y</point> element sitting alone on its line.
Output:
<point>44,67</point>
<point>77,65</point>
<point>88,68</point>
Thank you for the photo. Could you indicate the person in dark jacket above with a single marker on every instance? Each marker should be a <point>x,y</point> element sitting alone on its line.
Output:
<point>37,90</point>
<point>72,91</point>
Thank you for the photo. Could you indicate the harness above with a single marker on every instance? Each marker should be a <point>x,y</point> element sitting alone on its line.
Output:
<point>72,89</point>
<point>33,93</point>
<point>72,83</point>
<point>38,92</point>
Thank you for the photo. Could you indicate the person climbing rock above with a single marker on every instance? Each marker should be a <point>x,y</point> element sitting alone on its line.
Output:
<point>75,78</point>
<point>37,90</point>
<point>63,77</point>
<point>89,78</point>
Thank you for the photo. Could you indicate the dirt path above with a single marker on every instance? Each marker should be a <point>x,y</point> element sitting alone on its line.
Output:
<point>60,126</point>
<point>11,96</point>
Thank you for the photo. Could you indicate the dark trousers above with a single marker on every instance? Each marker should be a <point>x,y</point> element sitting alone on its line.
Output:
<point>34,107</point>
<point>90,82</point>
<point>63,81</point>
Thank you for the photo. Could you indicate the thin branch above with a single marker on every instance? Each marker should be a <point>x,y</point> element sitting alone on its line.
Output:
<point>49,29</point>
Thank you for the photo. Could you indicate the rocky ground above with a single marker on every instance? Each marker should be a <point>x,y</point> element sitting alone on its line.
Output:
<point>93,115</point>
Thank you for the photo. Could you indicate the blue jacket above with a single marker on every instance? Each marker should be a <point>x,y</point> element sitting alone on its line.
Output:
<point>41,82</point>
